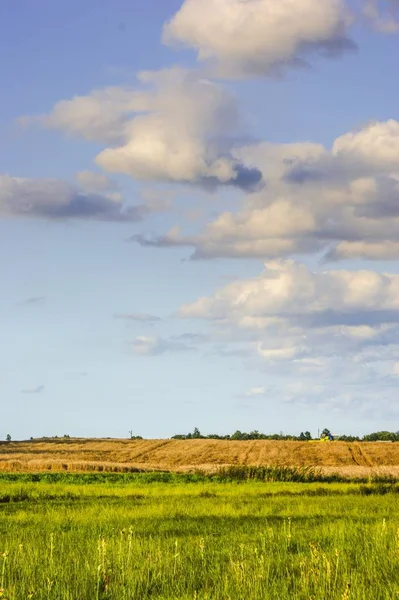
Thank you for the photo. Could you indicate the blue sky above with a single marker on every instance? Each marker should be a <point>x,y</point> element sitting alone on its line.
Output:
<point>199,216</point>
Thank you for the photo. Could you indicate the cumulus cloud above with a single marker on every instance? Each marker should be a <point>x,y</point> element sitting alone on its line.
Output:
<point>178,139</point>
<point>155,346</point>
<point>375,148</point>
<point>177,128</point>
<point>55,199</point>
<point>342,202</point>
<point>243,38</point>
<point>334,332</point>
<point>290,290</point>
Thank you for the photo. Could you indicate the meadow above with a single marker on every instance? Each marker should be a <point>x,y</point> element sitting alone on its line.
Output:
<point>164,536</point>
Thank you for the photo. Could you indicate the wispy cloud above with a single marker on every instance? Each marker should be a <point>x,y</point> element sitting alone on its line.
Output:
<point>255,392</point>
<point>32,300</point>
<point>38,389</point>
<point>139,317</point>
<point>155,346</point>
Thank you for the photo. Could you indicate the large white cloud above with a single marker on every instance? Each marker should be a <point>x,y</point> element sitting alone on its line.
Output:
<point>255,37</point>
<point>176,127</point>
<point>342,202</point>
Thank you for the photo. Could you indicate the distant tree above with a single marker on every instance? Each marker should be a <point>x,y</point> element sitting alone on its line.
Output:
<point>326,433</point>
<point>308,435</point>
<point>383,436</point>
<point>8,437</point>
<point>196,433</point>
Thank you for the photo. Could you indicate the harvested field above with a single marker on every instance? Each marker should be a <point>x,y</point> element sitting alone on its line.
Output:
<point>349,459</point>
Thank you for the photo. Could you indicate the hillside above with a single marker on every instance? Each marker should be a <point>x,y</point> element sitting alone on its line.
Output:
<point>105,454</point>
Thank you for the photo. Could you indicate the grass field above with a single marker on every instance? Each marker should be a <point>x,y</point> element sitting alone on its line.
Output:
<point>350,459</point>
<point>135,538</point>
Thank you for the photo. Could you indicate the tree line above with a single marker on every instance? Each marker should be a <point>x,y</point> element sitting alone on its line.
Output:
<point>378,436</point>
<point>304,436</point>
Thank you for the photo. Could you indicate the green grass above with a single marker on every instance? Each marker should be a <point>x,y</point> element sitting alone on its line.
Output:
<point>123,538</point>
<point>238,473</point>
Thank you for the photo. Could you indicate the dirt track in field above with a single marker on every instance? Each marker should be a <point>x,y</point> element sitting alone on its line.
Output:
<point>179,455</point>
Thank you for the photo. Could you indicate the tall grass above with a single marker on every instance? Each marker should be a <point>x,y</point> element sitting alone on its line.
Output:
<point>202,540</point>
<point>275,473</point>
<point>236,473</point>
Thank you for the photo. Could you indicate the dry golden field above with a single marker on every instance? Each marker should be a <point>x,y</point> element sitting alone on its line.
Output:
<point>184,455</point>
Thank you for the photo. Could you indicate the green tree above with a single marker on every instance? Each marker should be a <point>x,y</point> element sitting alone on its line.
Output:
<point>8,437</point>
<point>326,433</point>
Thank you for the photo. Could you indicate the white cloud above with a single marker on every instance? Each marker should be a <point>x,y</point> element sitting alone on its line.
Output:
<point>101,116</point>
<point>342,202</point>
<point>281,354</point>
<point>244,38</point>
<point>374,148</point>
<point>288,289</point>
<point>176,128</point>
<point>178,139</point>
<point>55,199</point>
<point>319,335</point>
<point>302,316</point>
